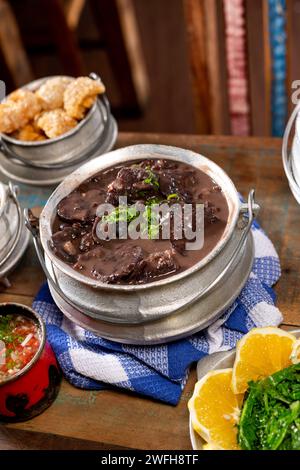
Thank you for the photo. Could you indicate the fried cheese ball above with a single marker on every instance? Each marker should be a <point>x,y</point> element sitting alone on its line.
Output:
<point>55,123</point>
<point>52,91</point>
<point>20,107</point>
<point>30,132</point>
<point>80,95</point>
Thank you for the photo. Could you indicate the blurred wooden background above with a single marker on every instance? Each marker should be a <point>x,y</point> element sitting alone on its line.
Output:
<point>179,66</point>
<point>161,27</point>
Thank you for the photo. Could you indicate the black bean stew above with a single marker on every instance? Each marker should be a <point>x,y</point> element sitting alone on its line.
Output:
<point>76,240</point>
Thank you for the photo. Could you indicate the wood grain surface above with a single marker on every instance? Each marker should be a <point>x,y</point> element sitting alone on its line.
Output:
<point>114,419</point>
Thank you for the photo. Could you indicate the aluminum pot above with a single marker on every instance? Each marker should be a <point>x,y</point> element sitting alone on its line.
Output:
<point>147,302</point>
<point>291,156</point>
<point>33,389</point>
<point>13,235</point>
<point>72,146</point>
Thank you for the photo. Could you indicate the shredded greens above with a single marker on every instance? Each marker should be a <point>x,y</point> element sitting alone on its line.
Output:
<point>270,418</point>
<point>151,222</point>
<point>121,214</point>
<point>151,178</point>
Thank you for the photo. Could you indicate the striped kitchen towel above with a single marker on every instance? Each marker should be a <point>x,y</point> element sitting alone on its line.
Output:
<point>160,371</point>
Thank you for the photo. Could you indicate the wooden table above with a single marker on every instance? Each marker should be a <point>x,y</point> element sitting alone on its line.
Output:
<point>113,419</point>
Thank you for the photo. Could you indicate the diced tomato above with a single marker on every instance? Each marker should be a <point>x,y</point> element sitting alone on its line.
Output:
<point>21,338</point>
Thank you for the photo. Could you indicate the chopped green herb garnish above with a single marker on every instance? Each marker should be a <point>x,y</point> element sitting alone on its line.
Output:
<point>152,178</point>
<point>172,196</point>
<point>121,214</point>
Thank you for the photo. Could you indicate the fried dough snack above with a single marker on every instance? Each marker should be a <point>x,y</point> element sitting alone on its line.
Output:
<point>80,95</point>
<point>10,117</point>
<point>55,123</point>
<point>30,132</point>
<point>20,107</point>
<point>52,91</point>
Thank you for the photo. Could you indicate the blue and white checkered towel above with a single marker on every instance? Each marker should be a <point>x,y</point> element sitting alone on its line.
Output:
<point>160,372</point>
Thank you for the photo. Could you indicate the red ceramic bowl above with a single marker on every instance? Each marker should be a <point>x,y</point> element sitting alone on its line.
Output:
<point>31,390</point>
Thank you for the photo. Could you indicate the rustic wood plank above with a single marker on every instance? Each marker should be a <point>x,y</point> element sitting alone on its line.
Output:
<point>115,419</point>
<point>94,419</point>
<point>194,11</point>
<point>259,67</point>
<point>73,10</point>
<point>118,27</point>
<point>12,46</point>
<point>14,439</point>
<point>216,64</point>
<point>64,38</point>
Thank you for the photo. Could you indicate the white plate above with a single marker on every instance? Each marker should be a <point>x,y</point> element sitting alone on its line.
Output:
<point>221,360</point>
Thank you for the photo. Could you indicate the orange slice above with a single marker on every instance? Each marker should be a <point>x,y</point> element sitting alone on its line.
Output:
<point>259,354</point>
<point>215,410</point>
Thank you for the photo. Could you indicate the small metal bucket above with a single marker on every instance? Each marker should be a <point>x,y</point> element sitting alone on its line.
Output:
<point>11,225</point>
<point>71,148</point>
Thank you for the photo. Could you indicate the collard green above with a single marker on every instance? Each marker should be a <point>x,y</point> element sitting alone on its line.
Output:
<point>270,418</point>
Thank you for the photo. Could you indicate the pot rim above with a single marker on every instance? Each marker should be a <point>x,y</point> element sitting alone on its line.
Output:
<point>42,329</point>
<point>23,143</point>
<point>3,198</point>
<point>116,157</point>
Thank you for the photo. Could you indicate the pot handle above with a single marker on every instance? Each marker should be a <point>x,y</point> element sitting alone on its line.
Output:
<point>248,212</point>
<point>12,194</point>
<point>246,207</point>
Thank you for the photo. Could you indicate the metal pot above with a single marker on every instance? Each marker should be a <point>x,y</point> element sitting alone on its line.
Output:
<point>141,304</point>
<point>73,147</point>
<point>291,157</point>
<point>33,389</point>
<point>13,235</point>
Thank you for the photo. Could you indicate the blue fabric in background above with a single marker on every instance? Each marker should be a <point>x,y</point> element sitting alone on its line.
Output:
<point>278,39</point>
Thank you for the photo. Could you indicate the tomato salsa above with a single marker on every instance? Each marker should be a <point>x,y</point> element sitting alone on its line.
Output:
<point>19,342</point>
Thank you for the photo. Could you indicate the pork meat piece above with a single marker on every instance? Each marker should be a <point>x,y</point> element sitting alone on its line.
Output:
<point>172,182</point>
<point>210,212</point>
<point>128,265</point>
<point>91,262</point>
<point>65,243</point>
<point>130,182</point>
<point>159,263</point>
<point>80,206</point>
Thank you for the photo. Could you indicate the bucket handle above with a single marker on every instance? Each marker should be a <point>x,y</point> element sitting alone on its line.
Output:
<point>12,194</point>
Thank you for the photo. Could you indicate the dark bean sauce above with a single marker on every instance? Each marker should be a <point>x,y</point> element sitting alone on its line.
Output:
<point>120,261</point>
